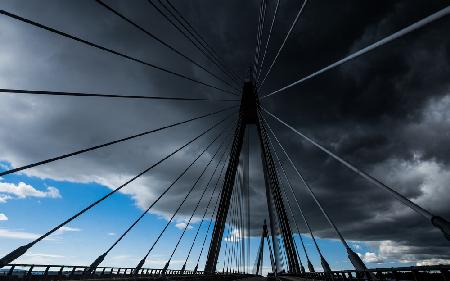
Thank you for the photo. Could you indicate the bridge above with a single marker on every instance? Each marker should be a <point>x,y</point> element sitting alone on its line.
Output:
<point>229,197</point>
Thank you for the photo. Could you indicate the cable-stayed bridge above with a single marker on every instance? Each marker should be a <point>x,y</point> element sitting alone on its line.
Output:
<point>226,192</point>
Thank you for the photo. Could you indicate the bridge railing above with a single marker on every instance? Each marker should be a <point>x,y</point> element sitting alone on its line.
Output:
<point>60,272</point>
<point>416,273</point>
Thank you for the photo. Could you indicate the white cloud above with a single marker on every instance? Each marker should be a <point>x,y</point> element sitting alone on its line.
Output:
<point>158,261</point>
<point>182,225</point>
<point>21,235</point>
<point>4,198</point>
<point>391,251</point>
<point>111,233</point>
<point>3,217</point>
<point>432,262</point>
<point>370,257</point>
<point>40,258</point>
<point>65,229</point>
<point>430,176</point>
<point>44,255</point>
<point>235,236</point>
<point>24,235</point>
<point>389,248</point>
<point>22,190</point>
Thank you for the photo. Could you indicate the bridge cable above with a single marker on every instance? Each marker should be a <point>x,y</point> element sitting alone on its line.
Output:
<point>241,217</point>
<point>207,46</point>
<point>229,249</point>
<point>260,30</point>
<point>271,251</point>
<point>235,230</point>
<point>162,42</point>
<point>100,259</point>
<point>22,249</point>
<point>204,47</point>
<point>141,263</point>
<point>419,24</point>
<point>258,27</point>
<point>355,260</point>
<point>206,210</point>
<point>236,224</point>
<point>279,239</point>
<point>209,227</point>
<point>247,183</point>
<point>225,254</point>
<point>285,262</point>
<point>229,239</point>
<point>231,233</point>
<point>108,143</point>
<point>243,240</point>
<point>111,51</point>
<point>310,266</point>
<point>294,23</point>
<point>398,196</point>
<point>226,251</point>
<point>267,41</point>
<point>79,94</point>
<point>302,268</point>
<point>282,249</point>
<point>290,209</point>
<point>239,221</point>
<point>198,203</point>
<point>189,38</point>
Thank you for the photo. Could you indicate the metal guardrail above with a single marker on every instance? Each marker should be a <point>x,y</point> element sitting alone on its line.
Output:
<point>61,272</point>
<point>413,273</point>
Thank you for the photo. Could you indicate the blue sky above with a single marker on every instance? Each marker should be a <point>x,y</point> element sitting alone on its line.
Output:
<point>86,237</point>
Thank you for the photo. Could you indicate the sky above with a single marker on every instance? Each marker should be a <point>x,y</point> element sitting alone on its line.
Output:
<point>386,111</point>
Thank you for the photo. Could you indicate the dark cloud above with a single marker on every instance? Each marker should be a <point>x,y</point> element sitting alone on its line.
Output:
<point>386,111</point>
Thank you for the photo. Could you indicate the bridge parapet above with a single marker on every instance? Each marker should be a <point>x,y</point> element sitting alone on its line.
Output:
<point>416,273</point>
<point>80,272</point>
<point>59,272</point>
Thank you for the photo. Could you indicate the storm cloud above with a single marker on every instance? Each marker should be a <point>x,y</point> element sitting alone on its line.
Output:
<point>387,111</point>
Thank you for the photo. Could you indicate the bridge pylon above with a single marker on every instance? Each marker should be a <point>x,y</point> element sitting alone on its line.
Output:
<point>248,115</point>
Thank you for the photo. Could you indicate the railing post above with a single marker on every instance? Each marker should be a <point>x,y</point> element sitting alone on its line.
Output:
<point>46,270</point>
<point>30,271</point>
<point>11,270</point>
<point>350,276</point>
<point>380,276</point>
<point>73,271</point>
<point>444,273</point>
<point>395,275</point>
<point>342,276</point>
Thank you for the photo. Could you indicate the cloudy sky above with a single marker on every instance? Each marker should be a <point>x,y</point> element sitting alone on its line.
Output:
<point>387,112</point>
